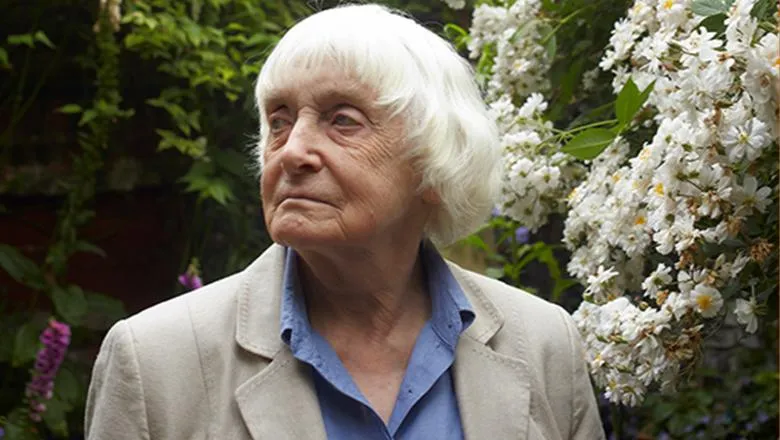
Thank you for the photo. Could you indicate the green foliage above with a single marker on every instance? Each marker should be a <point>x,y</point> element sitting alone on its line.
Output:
<point>510,259</point>
<point>590,143</point>
<point>710,7</point>
<point>26,342</point>
<point>629,101</point>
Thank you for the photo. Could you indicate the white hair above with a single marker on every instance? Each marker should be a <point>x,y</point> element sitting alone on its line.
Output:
<point>419,76</point>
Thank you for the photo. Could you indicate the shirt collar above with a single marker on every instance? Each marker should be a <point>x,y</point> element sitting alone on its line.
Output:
<point>451,312</point>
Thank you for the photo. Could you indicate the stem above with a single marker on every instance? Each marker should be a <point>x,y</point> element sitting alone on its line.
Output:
<point>616,413</point>
<point>592,125</point>
<point>598,110</point>
<point>563,21</point>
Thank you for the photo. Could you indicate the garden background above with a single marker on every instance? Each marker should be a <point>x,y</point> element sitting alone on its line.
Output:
<point>640,189</point>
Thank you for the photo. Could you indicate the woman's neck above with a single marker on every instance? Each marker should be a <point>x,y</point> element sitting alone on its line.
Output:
<point>371,293</point>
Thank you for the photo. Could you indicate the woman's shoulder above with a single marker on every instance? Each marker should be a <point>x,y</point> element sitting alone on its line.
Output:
<point>541,330</point>
<point>512,303</point>
<point>168,320</point>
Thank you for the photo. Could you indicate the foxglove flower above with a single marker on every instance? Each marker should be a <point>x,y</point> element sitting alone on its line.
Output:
<point>55,339</point>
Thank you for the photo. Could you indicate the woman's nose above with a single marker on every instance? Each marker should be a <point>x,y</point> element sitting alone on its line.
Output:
<point>300,154</point>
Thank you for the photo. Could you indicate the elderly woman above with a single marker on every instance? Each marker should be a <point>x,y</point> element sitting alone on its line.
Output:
<point>375,145</point>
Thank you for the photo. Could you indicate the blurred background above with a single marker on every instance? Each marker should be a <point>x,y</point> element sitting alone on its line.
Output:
<point>127,176</point>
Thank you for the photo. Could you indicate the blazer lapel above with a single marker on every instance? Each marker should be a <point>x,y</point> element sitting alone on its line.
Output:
<point>493,390</point>
<point>280,402</point>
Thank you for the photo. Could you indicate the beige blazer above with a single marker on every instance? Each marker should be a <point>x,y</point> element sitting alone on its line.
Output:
<point>210,364</point>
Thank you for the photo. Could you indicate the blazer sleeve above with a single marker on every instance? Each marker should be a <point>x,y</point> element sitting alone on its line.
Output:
<point>115,401</point>
<point>586,421</point>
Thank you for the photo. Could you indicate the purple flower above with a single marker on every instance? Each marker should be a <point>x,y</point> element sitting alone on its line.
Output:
<point>522,235</point>
<point>496,212</point>
<point>191,277</point>
<point>190,281</point>
<point>2,432</point>
<point>55,339</point>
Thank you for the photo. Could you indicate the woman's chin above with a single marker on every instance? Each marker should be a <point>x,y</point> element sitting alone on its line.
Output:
<point>301,237</point>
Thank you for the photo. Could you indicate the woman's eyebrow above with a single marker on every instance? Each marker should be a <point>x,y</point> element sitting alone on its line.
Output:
<point>330,98</point>
<point>325,99</point>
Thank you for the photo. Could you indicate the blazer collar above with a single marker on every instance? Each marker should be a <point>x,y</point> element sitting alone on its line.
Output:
<point>259,305</point>
<point>493,390</point>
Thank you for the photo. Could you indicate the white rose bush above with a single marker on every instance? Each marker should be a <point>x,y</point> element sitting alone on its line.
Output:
<point>651,129</point>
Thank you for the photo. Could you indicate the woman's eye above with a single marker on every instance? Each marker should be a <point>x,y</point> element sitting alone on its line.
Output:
<point>277,124</point>
<point>344,121</point>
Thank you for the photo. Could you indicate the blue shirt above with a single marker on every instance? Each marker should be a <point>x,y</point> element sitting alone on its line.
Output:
<point>426,407</point>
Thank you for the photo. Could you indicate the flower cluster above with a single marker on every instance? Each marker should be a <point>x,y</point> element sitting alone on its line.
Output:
<point>515,34</point>
<point>668,220</point>
<point>536,174</point>
<point>55,339</point>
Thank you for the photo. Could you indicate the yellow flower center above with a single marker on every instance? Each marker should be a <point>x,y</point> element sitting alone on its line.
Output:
<point>640,220</point>
<point>668,4</point>
<point>659,188</point>
<point>704,302</point>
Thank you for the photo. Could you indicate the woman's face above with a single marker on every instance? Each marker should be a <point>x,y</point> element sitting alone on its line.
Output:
<point>334,173</point>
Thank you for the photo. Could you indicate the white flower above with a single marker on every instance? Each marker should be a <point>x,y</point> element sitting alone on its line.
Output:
<point>748,140</point>
<point>659,278</point>
<point>707,299</point>
<point>533,106</point>
<point>750,197</point>
<point>456,4</point>
<point>746,313</point>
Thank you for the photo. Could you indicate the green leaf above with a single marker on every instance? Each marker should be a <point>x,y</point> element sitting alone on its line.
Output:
<point>17,425</point>
<point>494,272</point>
<point>763,9</point>
<point>627,101</point>
<point>70,109</point>
<point>55,416</point>
<point>21,39</point>
<point>549,41</point>
<point>26,343</point>
<point>219,190</point>
<point>589,144</point>
<point>715,23</point>
<point>561,284</point>
<point>454,31</point>
<point>41,36</point>
<point>83,246</point>
<point>20,268</point>
<point>4,58</point>
<point>710,7</point>
<point>568,84</point>
<point>67,386</point>
<point>70,303</point>
<point>477,242</point>
<point>102,311</point>
<point>87,116</point>
<point>231,161</point>
<point>646,93</point>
